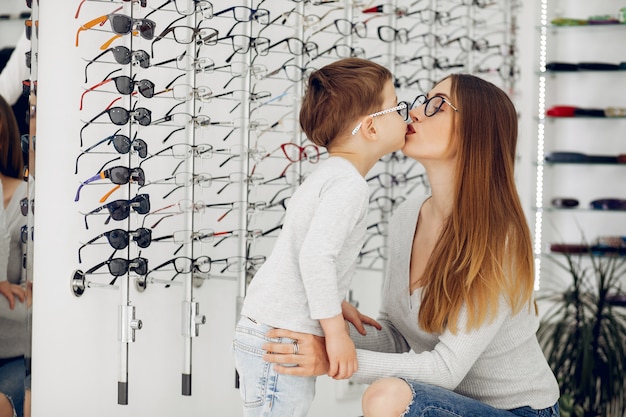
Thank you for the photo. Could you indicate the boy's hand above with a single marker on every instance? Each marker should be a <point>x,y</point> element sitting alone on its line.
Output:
<point>339,347</point>
<point>351,314</point>
<point>342,356</point>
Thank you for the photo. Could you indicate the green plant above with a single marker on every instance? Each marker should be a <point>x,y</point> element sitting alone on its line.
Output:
<point>583,335</point>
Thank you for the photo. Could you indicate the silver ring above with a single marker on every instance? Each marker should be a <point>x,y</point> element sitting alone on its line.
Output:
<point>296,348</point>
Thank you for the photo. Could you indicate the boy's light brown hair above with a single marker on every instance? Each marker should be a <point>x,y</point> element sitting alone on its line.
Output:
<point>338,94</point>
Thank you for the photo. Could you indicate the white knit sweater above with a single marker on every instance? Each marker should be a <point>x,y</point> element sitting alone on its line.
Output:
<point>500,364</point>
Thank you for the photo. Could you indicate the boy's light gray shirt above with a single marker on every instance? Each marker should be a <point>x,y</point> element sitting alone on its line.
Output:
<point>308,273</point>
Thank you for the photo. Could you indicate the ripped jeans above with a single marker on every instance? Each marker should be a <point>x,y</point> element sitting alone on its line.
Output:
<point>432,401</point>
<point>12,376</point>
<point>265,392</point>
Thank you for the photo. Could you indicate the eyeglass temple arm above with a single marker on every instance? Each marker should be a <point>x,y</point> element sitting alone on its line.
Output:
<point>98,20</point>
<point>108,138</point>
<point>95,59</point>
<point>113,38</point>
<point>100,175</point>
<point>93,87</point>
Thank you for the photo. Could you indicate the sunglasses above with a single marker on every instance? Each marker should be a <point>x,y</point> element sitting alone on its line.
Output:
<point>123,56</point>
<point>122,145</point>
<point>121,266</point>
<point>120,238</point>
<point>608,204</point>
<point>120,209</point>
<point>120,116</point>
<point>122,25</point>
<point>24,206</point>
<point>124,85</point>
<point>118,175</point>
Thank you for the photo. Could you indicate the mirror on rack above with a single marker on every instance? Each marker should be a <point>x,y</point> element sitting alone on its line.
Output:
<point>18,75</point>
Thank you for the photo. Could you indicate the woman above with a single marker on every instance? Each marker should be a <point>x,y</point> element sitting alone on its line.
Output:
<point>13,295</point>
<point>458,320</point>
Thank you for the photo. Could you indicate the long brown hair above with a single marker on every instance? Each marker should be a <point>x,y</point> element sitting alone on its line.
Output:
<point>484,251</point>
<point>11,159</point>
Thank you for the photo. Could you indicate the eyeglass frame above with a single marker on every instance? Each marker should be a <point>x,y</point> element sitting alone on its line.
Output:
<point>428,100</point>
<point>401,105</point>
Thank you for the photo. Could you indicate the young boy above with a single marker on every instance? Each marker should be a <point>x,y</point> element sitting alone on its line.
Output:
<point>350,108</point>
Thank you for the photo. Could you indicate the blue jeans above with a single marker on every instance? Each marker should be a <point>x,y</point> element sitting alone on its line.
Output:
<point>265,392</point>
<point>432,401</point>
<point>12,375</point>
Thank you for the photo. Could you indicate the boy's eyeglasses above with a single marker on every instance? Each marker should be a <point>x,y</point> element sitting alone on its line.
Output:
<point>402,108</point>
<point>431,105</point>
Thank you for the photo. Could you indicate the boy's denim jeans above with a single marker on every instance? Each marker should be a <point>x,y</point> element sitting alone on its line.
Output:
<point>265,392</point>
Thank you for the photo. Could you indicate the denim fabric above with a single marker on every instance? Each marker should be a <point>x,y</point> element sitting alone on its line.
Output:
<point>264,392</point>
<point>12,374</point>
<point>431,401</point>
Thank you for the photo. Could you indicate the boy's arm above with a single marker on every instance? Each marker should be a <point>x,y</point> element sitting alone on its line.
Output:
<point>339,347</point>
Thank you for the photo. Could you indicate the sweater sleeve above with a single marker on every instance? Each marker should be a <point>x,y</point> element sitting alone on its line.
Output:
<point>446,365</point>
<point>15,72</point>
<point>343,201</point>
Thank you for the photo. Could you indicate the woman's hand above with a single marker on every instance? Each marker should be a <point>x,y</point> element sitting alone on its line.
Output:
<point>310,360</point>
<point>12,291</point>
<point>351,314</point>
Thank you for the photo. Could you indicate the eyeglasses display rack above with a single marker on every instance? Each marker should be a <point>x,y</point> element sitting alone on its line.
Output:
<point>185,148</point>
<point>581,112</point>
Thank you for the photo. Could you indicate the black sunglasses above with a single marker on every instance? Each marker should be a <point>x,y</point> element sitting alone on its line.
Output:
<point>124,85</point>
<point>120,238</point>
<point>118,175</point>
<point>120,209</point>
<point>124,56</point>
<point>122,145</point>
<point>121,266</point>
<point>120,116</point>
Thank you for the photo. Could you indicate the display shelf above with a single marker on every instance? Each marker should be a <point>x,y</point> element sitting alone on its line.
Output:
<point>595,75</point>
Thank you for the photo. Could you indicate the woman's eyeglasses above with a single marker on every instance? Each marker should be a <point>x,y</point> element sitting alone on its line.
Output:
<point>431,105</point>
<point>120,238</point>
<point>120,209</point>
<point>401,108</point>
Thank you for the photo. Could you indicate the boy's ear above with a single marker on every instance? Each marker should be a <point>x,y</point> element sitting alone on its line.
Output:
<point>368,129</point>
